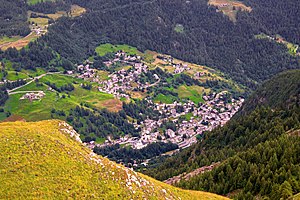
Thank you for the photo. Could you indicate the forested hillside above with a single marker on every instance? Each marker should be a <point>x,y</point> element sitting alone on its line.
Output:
<point>207,37</point>
<point>13,18</point>
<point>281,17</point>
<point>259,149</point>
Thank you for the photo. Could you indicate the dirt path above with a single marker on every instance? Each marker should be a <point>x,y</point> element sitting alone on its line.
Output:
<point>20,92</point>
<point>35,78</point>
<point>9,43</point>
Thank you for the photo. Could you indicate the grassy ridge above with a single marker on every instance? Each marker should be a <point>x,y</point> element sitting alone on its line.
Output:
<point>39,160</point>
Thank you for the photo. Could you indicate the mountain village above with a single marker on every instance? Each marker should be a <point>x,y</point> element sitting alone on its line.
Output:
<point>209,115</point>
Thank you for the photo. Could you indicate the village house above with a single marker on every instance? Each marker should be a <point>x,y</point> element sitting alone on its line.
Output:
<point>33,96</point>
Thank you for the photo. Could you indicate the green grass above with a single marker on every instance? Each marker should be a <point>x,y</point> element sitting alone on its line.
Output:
<point>164,99</point>
<point>6,39</point>
<point>32,87</point>
<point>2,116</point>
<point>41,161</point>
<point>32,2</point>
<point>104,49</point>
<point>100,140</point>
<point>193,93</point>
<point>33,73</point>
<point>188,116</point>
<point>39,21</point>
<point>8,65</point>
<point>13,75</point>
<point>60,79</point>
<point>292,48</point>
<point>179,28</point>
<point>41,109</point>
<point>261,36</point>
<point>103,74</point>
<point>23,74</point>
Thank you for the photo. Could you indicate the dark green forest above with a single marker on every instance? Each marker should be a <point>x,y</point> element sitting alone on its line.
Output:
<point>13,18</point>
<point>270,169</point>
<point>129,156</point>
<point>209,38</point>
<point>259,149</point>
<point>99,123</point>
<point>281,17</point>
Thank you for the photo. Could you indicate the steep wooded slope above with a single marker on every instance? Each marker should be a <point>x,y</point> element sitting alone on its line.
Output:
<point>207,38</point>
<point>261,139</point>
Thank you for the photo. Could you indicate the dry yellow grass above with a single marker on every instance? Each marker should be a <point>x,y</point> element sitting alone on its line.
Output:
<point>20,43</point>
<point>229,7</point>
<point>40,160</point>
<point>113,105</point>
<point>77,10</point>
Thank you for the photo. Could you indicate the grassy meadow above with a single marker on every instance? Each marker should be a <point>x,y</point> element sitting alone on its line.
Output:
<point>41,109</point>
<point>39,160</point>
<point>104,49</point>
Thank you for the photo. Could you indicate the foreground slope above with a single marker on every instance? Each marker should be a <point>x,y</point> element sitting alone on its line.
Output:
<point>41,160</point>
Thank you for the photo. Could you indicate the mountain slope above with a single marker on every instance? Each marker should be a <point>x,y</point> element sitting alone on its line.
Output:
<point>258,150</point>
<point>207,37</point>
<point>281,90</point>
<point>41,160</point>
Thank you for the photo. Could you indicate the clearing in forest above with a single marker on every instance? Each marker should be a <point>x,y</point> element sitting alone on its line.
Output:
<point>292,48</point>
<point>104,49</point>
<point>32,2</point>
<point>38,26</point>
<point>229,7</point>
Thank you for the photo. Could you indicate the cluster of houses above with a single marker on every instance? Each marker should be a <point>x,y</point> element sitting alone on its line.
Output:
<point>179,68</point>
<point>214,112</point>
<point>124,80</point>
<point>122,57</point>
<point>33,96</point>
<point>85,71</point>
<point>120,81</point>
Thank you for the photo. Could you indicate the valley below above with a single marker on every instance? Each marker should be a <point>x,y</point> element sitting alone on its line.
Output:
<point>156,99</point>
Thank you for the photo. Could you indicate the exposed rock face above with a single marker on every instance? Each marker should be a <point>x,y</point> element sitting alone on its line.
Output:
<point>66,128</point>
<point>187,176</point>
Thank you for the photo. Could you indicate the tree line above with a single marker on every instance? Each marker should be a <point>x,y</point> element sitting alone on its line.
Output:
<point>129,156</point>
<point>95,124</point>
